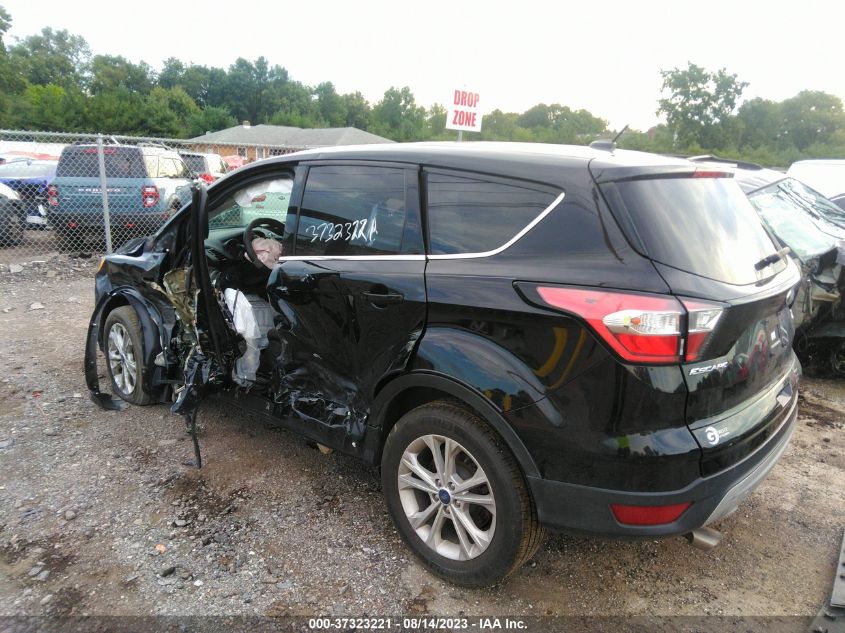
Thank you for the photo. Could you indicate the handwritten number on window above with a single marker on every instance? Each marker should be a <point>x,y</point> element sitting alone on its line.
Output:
<point>329,231</point>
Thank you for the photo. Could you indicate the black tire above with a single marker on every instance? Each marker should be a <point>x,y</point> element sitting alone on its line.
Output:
<point>12,229</point>
<point>125,321</point>
<point>65,241</point>
<point>517,534</point>
<point>837,358</point>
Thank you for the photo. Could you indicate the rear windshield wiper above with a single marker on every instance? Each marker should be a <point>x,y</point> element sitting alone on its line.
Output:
<point>773,258</point>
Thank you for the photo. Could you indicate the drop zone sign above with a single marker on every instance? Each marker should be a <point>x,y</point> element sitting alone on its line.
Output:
<point>463,113</point>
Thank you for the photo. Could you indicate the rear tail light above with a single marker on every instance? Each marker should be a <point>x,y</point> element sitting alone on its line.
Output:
<point>150,196</point>
<point>73,225</point>
<point>640,328</point>
<point>207,177</point>
<point>648,515</point>
<point>711,173</point>
<point>53,196</point>
<point>702,320</point>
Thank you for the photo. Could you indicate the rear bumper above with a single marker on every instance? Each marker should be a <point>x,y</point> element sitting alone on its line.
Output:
<point>574,507</point>
<point>73,221</point>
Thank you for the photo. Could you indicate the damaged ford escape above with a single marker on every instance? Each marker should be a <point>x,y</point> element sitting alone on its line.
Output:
<point>522,337</point>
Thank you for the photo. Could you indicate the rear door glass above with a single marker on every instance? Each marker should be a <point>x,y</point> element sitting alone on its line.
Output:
<point>83,162</point>
<point>704,226</point>
<point>474,214</point>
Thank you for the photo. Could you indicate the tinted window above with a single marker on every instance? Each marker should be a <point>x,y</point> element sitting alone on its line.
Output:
<point>705,226</point>
<point>474,215</point>
<point>195,163</point>
<point>352,211</point>
<point>82,162</point>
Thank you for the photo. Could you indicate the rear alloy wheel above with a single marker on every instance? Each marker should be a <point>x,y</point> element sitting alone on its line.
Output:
<point>124,355</point>
<point>456,513</point>
<point>457,496</point>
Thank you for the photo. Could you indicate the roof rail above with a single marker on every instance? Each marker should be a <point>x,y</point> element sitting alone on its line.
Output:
<point>709,158</point>
<point>154,144</point>
<point>107,140</point>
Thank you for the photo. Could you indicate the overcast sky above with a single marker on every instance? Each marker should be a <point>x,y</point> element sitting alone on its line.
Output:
<point>602,56</point>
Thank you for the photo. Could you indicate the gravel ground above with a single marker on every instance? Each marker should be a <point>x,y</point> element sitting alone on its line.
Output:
<point>101,513</point>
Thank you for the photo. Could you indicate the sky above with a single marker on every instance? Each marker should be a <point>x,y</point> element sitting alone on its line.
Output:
<point>605,56</point>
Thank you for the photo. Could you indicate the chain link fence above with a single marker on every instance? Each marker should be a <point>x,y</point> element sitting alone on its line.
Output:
<point>90,193</point>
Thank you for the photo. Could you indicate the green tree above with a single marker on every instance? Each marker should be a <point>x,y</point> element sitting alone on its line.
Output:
<point>52,57</point>
<point>358,111</point>
<point>50,108</point>
<point>295,105</point>
<point>171,73</point>
<point>167,112</point>
<point>436,118</point>
<point>699,104</point>
<point>811,118</point>
<point>117,111</point>
<point>109,72</point>
<point>5,25</point>
<point>210,119</point>
<point>760,123</point>
<point>10,82</point>
<point>397,116</point>
<point>331,105</point>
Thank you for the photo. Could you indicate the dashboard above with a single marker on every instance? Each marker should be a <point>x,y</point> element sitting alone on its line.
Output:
<point>225,246</point>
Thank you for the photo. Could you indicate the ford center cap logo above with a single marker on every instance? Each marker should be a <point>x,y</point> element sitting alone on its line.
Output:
<point>444,497</point>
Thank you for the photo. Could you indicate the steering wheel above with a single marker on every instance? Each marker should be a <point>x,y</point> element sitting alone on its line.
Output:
<point>275,226</point>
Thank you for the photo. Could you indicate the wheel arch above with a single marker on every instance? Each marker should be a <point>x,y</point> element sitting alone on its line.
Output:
<point>153,330</point>
<point>408,391</point>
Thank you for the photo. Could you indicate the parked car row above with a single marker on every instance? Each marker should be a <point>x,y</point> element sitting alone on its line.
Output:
<point>146,184</point>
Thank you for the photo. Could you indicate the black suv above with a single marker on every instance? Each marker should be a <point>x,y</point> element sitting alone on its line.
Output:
<point>521,336</point>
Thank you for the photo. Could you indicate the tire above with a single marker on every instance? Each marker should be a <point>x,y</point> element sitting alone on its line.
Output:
<point>65,241</point>
<point>123,332</point>
<point>837,358</point>
<point>12,230</point>
<point>507,531</point>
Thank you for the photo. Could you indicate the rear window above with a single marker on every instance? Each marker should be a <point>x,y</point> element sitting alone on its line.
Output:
<point>82,162</point>
<point>705,226</point>
<point>195,163</point>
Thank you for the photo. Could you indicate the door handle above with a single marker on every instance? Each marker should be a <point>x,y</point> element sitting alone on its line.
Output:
<point>382,298</point>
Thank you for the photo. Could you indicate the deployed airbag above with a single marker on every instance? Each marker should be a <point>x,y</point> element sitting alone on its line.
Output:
<point>252,318</point>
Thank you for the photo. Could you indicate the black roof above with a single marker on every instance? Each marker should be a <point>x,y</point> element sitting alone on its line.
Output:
<point>531,161</point>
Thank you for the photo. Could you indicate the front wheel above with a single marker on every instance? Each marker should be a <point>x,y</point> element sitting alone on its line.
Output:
<point>457,496</point>
<point>125,356</point>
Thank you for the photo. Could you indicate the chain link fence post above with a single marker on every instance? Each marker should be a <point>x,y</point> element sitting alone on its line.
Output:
<point>105,193</point>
